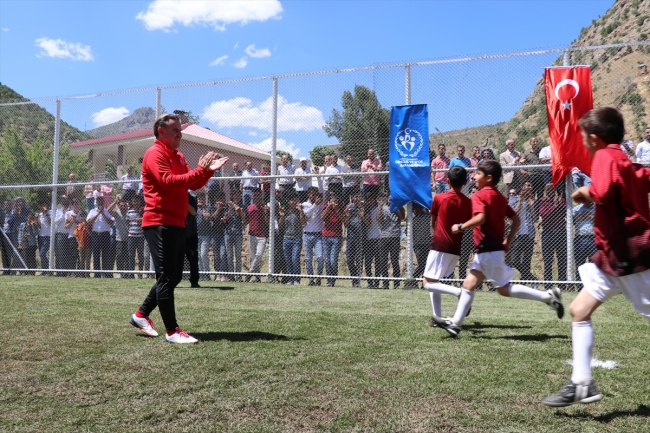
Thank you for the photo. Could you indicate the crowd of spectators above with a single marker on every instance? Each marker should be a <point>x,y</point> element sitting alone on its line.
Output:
<point>316,217</point>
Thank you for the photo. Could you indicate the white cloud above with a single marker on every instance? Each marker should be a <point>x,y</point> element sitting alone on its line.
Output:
<point>252,133</point>
<point>236,45</point>
<point>257,53</point>
<point>65,50</point>
<point>164,14</point>
<point>4,29</point>
<point>241,63</point>
<point>240,112</point>
<point>280,144</point>
<point>219,61</point>
<point>109,115</point>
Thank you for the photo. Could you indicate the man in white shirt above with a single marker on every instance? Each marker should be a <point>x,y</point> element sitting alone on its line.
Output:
<point>303,182</point>
<point>45,222</point>
<point>248,184</point>
<point>350,183</point>
<point>286,169</point>
<point>643,149</point>
<point>335,185</point>
<point>311,215</point>
<point>130,185</point>
<point>509,158</point>
<point>101,221</point>
<point>61,252</point>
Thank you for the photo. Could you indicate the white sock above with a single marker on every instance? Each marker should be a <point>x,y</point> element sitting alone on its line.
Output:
<point>582,337</point>
<point>436,303</point>
<point>523,292</point>
<point>464,304</point>
<point>444,289</point>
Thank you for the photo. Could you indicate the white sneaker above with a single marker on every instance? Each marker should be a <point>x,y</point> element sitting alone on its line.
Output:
<point>181,337</point>
<point>144,324</point>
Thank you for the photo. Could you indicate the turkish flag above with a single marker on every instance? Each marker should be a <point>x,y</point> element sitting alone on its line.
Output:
<point>568,98</point>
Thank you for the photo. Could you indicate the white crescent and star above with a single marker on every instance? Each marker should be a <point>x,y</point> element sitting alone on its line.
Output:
<point>567,82</point>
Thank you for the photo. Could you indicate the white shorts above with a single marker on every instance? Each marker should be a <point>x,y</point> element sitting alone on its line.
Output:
<point>635,287</point>
<point>440,265</point>
<point>493,266</point>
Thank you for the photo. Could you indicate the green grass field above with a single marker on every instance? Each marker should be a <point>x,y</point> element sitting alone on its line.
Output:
<point>278,358</point>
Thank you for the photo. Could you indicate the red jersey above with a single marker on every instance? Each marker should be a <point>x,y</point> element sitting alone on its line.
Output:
<point>622,223</point>
<point>258,224</point>
<point>489,236</point>
<point>449,208</point>
<point>166,177</point>
<point>333,223</point>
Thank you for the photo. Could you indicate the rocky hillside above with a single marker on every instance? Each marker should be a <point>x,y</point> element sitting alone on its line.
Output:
<point>618,77</point>
<point>141,118</point>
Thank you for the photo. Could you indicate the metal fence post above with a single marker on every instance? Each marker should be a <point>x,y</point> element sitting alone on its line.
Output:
<point>274,143</point>
<point>55,180</point>
<point>409,206</point>
<point>158,102</point>
<point>568,190</point>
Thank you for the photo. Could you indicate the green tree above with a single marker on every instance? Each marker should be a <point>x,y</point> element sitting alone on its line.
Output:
<point>317,154</point>
<point>363,124</point>
<point>281,153</point>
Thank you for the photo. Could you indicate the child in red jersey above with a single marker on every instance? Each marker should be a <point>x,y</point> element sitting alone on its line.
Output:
<point>448,208</point>
<point>490,209</point>
<point>622,235</point>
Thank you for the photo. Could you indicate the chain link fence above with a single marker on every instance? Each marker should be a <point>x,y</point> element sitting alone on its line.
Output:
<point>72,206</point>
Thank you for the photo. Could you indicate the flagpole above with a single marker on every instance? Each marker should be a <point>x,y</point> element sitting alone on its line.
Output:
<point>568,191</point>
<point>409,205</point>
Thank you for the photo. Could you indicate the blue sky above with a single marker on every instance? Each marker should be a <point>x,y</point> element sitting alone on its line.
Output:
<point>61,48</point>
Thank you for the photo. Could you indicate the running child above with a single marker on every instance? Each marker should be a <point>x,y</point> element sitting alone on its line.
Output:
<point>448,208</point>
<point>490,208</point>
<point>622,236</point>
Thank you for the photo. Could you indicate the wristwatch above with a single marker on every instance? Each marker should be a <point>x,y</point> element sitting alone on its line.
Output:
<point>460,227</point>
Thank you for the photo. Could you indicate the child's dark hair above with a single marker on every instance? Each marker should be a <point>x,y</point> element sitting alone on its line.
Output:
<point>457,176</point>
<point>491,167</point>
<point>605,123</point>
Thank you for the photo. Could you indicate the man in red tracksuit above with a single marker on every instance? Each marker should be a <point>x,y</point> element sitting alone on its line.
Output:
<point>166,177</point>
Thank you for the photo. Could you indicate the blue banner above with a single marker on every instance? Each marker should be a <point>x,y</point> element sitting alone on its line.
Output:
<point>408,154</point>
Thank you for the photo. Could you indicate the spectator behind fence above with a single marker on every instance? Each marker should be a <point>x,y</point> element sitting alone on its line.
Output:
<point>333,219</point>
<point>100,222</point>
<point>257,218</point>
<point>334,181</point>
<point>130,185</point>
<point>249,183</point>
<point>44,223</point>
<point>534,175</point>
<point>421,237</point>
<point>303,182</point>
<point>583,243</point>
<point>135,240</point>
<point>389,246</point>
<point>521,251</point>
<point>5,242</point>
<point>511,178</point>
<point>218,232</point>
<point>28,241</point>
<point>286,169</point>
<point>82,233</point>
<point>89,191</point>
<point>311,213</point>
<point>289,222</point>
<point>545,158</point>
<point>579,178</point>
<point>643,149</point>
<point>440,162</point>
<point>233,184</point>
<point>233,238</point>
<point>192,241</point>
<point>72,218</point>
<point>552,211</point>
<point>61,252</point>
<point>265,182</point>
<point>355,238</point>
<point>74,192</point>
<point>474,160</point>
<point>204,235</point>
<point>371,182</point>
<point>371,245</point>
<point>350,183</point>
<point>118,210</point>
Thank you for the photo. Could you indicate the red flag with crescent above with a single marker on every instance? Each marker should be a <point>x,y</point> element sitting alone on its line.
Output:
<point>568,98</point>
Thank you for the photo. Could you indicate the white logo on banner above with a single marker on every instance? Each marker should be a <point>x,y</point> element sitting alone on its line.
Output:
<point>406,140</point>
